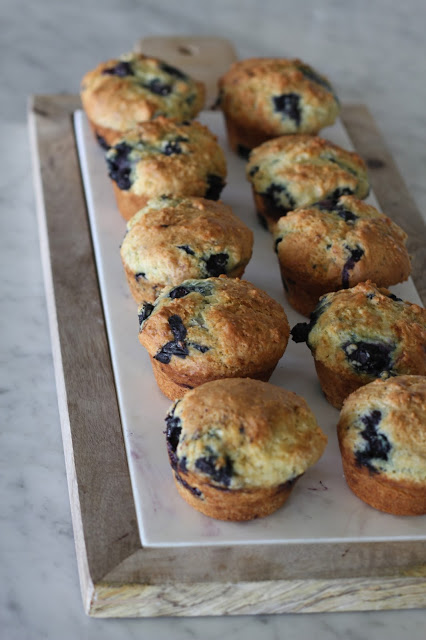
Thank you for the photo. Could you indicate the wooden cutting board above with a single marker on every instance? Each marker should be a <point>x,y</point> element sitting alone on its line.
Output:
<point>118,576</point>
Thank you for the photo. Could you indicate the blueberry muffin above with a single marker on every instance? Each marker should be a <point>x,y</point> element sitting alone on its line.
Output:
<point>297,171</point>
<point>360,334</point>
<point>263,98</point>
<point>334,245</point>
<point>175,239</point>
<point>237,447</point>
<point>382,438</point>
<point>163,157</point>
<point>209,329</point>
<point>121,93</point>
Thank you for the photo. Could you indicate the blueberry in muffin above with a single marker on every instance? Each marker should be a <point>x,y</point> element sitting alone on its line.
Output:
<point>175,239</point>
<point>357,335</point>
<point>203,330</point>
<point>165,158</point>
<point>297,171</point>
<point>263,98</point>
<point>382,439</point>
<point>237,447</point>
<point>334,245</point>
<point>119,94</point>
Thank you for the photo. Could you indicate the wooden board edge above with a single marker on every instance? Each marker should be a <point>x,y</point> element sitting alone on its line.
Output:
<point>101,597</point>
<point>389,186</point>
<point>86,583</point>
<point>95,551</point>
<point>205,58</point>
<point>281,596</point>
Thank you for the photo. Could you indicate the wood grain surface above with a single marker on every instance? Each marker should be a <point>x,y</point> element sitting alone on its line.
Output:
<point>118,577</point>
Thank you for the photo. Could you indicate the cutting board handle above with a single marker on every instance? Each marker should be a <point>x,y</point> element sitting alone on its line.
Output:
<point>204,58</point>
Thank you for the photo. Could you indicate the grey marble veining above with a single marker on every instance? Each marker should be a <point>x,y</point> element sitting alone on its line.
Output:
<point>374,51</point>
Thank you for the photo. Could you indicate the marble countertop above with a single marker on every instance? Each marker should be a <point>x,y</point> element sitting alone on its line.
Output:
<point>374,52</point>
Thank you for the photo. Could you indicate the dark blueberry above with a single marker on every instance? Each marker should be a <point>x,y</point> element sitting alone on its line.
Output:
<point>171,349</point>
<point>203,288</point>
<point>172,71</point>
<point>377,445</point>
<point>172,147</point>
<point>221,475</point>
<point>355,256</point>
<point>328,246</point>
<point>102,142</point>
<point>341,191</point>
<point>159,88</point>
<point>274,193</point>
<point>301,331</point>
<point>173,430</point>
<point>253,171</point>
<point>289,105</point>
<point>179,292</point>
<point>182,464</point>
<point>370,296</point>
<point>372,358</point>
<point>309,73</point>
<point>177,327</point>
<point>187,249</point>
<point>145,312</point>
<point>215,186</point>
<point>325,205</point>
<point>392,296</point>
<point>119,166</point>
<point>277,242</point>
<point>121,69</point>
<point>243,151</point>
<point>199,347</point>
<point>216,264</point>
<point>346,215</point>
<point>139,276</point>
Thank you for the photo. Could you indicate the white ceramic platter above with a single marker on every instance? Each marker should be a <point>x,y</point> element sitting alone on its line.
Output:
<point>321,507</point>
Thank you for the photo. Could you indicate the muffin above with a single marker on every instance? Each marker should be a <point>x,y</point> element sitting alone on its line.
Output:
<point>334,245</point>
<point>209,329</point>
<point>163,157</point>
<point>237,447</point>
<point>175,239</point>
<point>382,438</point>
<point>262,98</point>
<point>360,334</point>
<point>297,171</point>
<point>121,93</point>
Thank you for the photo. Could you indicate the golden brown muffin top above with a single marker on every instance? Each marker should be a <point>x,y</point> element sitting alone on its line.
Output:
<point>123,92</point>
<point>384,424</point>
<point>163,157</point>
<point>340,243</point>
<point>174,239</point>
<point>366,331</point>
<point>211,328</point>
<point>278,95</point>
<point>243,433</point>
<point>297,171</point>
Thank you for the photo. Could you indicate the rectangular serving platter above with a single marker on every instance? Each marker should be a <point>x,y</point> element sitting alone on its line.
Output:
<point>322,508</point>
<point>127,568</point>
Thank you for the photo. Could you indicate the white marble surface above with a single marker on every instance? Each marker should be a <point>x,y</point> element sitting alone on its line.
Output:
<point>374,51</point>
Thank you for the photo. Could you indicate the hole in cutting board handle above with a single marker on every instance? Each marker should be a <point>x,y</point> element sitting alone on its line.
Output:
<point>188,50</point>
